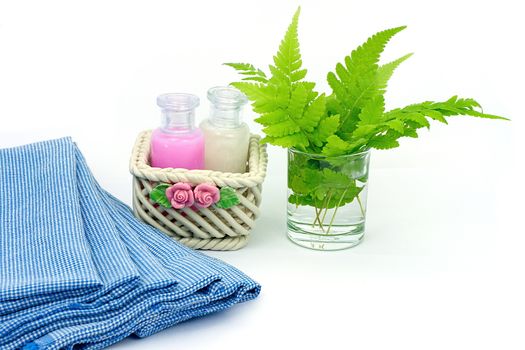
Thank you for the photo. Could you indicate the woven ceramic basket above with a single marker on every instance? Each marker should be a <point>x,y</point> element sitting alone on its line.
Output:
<point>209,228</point>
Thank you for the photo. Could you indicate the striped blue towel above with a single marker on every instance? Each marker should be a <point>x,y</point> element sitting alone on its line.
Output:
<point>78,270</point>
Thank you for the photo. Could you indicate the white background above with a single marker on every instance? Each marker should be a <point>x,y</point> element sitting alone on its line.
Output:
<point>442,265</point>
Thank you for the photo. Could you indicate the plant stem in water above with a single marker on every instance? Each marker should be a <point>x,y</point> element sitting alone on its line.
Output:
<point>327,204</point>
<point>335,211</point>
<point>361,206</point>
<point>318,218</point>
<point>315,219</point>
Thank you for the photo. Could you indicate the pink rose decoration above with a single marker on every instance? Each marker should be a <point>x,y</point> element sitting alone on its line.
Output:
<point>180,195</point>
<point>206,195</point>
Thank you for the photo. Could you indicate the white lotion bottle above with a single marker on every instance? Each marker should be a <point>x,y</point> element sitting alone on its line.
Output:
<point>226,137</point>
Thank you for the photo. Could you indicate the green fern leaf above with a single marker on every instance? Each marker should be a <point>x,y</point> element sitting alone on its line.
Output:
<point>309,87</point>
<point>396,125</point>
<point>282,95</point>
<point>352,118</point>
<point>298,100</point>
<point>288,59</point>
<point>289,108</point>
<point>464,102</point>
<point>244,67</point>
<point>262,95</point>
<point>339,96</point>
<point>298,140</point>
<point>367,55</point>
<point>384,72</point>
<point>257,79</point>
<point>298,75</point>
<point>313,114</point>
<point>285,128</point>
<point>327,127</point>
<point>279,76</point>
<point>372,113</point>
<point>435,115</point>
<point>275,117</point>
<point>248,69</point>
<point>386,141</point>
<point>357,82</point>
<point>438,111</point>
<point>365,131</point>
<point>253,91</point>
<point>410,132</point>
<point>335,146</point>
<point>477,114</point>
<point>416,117</point>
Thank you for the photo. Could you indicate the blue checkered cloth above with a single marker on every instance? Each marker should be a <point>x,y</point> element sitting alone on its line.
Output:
<point>77,269</point>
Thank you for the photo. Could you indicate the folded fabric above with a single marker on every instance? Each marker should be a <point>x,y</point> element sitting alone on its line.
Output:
<point>77,269</point>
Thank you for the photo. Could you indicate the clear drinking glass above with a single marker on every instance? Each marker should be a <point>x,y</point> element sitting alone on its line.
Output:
<point>327,199</point>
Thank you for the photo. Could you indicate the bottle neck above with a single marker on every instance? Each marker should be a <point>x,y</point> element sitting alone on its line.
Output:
<point>177,122</point>
<point>177,112</point>
<point>226,107</point>
<point>224,117</point>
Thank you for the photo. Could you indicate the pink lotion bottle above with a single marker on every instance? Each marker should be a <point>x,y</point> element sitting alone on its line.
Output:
<point>177,143</point>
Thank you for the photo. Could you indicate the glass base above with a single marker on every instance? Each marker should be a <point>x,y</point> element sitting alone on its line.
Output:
<point>346,236</point>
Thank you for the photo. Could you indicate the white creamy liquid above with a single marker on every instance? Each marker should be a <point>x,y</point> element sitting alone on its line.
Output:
<point>226,149</point>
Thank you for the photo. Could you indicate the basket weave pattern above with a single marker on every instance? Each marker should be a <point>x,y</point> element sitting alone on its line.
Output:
<point>209,228</point>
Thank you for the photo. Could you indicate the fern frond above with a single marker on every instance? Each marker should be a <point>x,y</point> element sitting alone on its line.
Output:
<point>298,101</point>
<point>366,56</point>
<point>250,71</point>
<point>439,110</point>
<point>262,95</point>
<point>289,108</point>
<point>403,122</point>
<point>253,91</point>
<point>287,61</point>
<point>313,114</point>
<point>361,79</point>
<point>384,72</point>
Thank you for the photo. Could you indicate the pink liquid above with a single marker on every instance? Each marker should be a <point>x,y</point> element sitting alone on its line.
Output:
<point>185,150</point>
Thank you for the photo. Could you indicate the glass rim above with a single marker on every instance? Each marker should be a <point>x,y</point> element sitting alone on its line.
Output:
<point>227,96</point>
<point>178,101</point>
<point>322,156</point>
